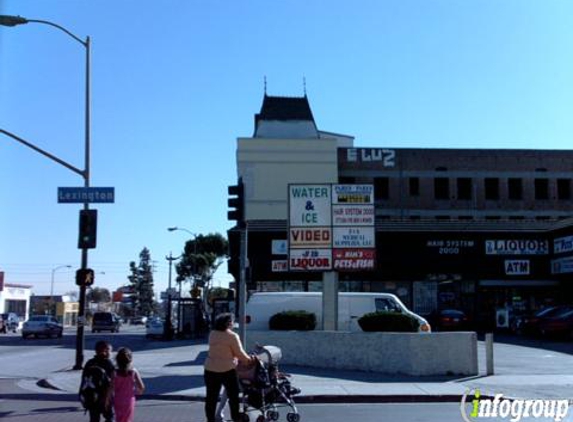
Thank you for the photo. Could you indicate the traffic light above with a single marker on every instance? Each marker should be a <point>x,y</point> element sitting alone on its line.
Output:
<point>236,202</point>
<point>85,277</point>
<point>88,229</point>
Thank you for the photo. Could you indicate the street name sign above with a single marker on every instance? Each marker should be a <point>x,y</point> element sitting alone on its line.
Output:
<point>80,195</point>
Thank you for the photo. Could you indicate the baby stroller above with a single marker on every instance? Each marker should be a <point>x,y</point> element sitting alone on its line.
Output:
<point>265,388</point>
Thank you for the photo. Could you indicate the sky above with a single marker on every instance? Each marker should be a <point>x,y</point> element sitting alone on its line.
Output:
<point>175,83</point>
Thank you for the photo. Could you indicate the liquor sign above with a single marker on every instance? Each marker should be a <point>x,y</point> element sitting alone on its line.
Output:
<point>517,247</point>
<point>353,237</point>
<point>310,259</point>
<point>310,237</point>
<point>354,259</point>
<point>309,205</point>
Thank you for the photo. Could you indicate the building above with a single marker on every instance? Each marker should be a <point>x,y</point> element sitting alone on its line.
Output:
<point>63,307</point>
<point>15,298</point>
<point>471,229</point>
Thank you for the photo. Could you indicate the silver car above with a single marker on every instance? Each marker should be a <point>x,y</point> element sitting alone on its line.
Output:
<point>42,325</point>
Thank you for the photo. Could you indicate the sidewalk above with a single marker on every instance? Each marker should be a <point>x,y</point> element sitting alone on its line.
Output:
<point>176,373</point>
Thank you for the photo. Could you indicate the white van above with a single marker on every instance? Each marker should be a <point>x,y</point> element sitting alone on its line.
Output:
<point>351,306</point>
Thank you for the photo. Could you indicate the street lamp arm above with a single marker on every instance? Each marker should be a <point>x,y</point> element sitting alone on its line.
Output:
<point>44,153</point>
<point>9,20</point>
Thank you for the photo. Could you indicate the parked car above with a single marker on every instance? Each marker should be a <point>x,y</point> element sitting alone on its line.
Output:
<point>451,319</point>
<point>105,321</point>
<point>558,324</point>
<point>138,320</point>
<point>530,324</point>
<point>154,328</point>
<point>11,322</point>
<point>42,325</point>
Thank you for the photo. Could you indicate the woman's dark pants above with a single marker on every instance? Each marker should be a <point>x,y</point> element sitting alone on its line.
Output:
<point>213,383</point>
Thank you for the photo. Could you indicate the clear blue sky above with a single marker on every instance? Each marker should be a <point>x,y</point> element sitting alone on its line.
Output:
<point>174,83</point>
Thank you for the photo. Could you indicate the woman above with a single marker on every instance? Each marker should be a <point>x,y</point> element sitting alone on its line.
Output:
<point>220,366</point>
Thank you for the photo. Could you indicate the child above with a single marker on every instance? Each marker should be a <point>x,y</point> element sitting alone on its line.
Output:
<point>126,385</point>
<point>102,406</point>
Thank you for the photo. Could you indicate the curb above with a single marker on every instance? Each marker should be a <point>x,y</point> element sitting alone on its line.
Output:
<point>306,399</point>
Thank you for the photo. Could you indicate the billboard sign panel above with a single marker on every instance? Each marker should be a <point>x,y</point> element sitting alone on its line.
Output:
<point>353,194</point>
<point>353,237</point>
<point>353,215</point>
<point>310,237</point>
<point>310,259</point>
<point>309,205</point>
<point>354,259</point>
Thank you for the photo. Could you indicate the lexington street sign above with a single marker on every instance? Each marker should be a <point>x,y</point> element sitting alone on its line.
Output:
<point>80,195</point>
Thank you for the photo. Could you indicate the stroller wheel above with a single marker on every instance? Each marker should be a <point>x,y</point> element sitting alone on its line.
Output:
<point>261,418</point>
<point>293,417</point>
<point>273,415</point>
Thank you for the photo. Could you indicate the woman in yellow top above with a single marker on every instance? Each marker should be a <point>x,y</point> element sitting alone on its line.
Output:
<point>220,366</point>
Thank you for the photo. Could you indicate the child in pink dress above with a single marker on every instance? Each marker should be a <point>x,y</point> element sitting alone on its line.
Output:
<point>127,384</point>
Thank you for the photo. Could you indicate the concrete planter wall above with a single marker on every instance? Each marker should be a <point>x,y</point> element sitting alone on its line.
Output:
<point>391,353</point>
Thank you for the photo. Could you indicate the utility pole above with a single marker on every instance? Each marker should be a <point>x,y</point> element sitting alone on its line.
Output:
<point>168,328</point>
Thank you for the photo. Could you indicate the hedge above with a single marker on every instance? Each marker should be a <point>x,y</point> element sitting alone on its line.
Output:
<point>293,320</point>
<point>388,321</point>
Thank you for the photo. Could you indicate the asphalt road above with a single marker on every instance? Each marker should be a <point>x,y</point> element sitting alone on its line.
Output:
<point>17,405</point>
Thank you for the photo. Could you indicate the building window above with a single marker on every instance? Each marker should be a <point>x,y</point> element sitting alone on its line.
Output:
<point>515,189</point>
<point>381,188</point>
<point>414,186</point>
<point>492,188</point>
<point>464,188</point>
<point>541,189</point>
<point>563,188</point>
<point>345,180</point>
<point>441,188</point>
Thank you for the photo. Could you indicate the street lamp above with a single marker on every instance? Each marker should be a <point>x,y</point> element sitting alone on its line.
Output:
<point>7,20</point>
<point>52,283</point>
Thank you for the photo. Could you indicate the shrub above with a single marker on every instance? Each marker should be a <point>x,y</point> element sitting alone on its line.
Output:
<point>388,321</point>
<point>293,320</point>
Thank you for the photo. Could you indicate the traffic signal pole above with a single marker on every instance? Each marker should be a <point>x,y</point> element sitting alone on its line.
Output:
<point>237,213</point>
<point>243,286</point>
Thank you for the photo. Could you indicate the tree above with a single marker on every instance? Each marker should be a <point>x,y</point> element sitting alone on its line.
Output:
<point>141,279</point>
<point>98,295</point>
<point>200,259</point>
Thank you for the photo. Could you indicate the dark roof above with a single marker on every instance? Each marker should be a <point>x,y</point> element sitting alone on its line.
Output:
<point>285,108</point>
